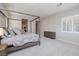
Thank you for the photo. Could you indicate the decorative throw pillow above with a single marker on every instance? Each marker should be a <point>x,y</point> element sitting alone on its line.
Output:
<point>8,36</point>
<point>17,31</point>
<point>11,32</point>
<point>3,37</point>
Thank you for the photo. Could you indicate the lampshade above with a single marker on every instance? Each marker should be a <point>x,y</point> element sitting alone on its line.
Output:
<point>1,31</point>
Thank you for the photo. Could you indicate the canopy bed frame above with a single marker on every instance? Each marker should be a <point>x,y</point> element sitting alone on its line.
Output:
<point>11,49</point>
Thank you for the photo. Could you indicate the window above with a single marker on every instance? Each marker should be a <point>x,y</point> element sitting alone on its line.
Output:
<point>70,24</point>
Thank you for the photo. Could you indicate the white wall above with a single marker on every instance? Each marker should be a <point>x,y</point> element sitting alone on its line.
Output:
<point>2,21</point>
<point>15,24</point>
<point>53,23</point>
<point>34,26</point>
<point>2,18</point>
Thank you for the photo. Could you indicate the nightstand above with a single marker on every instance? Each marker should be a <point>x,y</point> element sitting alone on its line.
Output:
<point>3,49</point>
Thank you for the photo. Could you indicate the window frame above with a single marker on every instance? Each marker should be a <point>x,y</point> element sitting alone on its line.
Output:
<point>62,26</point>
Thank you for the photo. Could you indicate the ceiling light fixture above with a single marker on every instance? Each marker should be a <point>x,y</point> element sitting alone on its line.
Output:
<point>59,4</point>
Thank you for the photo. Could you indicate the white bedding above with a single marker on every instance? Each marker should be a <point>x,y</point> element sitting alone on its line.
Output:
<point>21,39</point>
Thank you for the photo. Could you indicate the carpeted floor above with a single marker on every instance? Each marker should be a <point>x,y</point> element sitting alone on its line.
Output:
<point>49,48</point>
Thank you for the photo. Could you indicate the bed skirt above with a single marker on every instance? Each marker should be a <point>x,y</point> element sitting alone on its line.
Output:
<point>17,48</point>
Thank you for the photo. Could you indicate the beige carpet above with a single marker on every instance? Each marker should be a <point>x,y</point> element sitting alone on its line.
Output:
<point>49,48</point>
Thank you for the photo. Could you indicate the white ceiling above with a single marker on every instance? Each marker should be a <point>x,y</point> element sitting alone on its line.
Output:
<point>40,9</point>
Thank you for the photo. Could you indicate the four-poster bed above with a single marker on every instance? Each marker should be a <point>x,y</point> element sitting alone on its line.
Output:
<point>12,48</point>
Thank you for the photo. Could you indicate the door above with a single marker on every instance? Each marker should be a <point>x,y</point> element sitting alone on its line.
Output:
<point>37,27</point>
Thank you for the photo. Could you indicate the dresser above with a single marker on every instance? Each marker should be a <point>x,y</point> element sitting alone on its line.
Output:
<point>50,34</point>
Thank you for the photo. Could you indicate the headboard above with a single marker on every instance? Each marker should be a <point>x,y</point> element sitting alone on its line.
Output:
<point>50,34</point>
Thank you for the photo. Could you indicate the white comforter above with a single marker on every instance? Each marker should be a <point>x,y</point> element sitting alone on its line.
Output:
<point>21,39</point>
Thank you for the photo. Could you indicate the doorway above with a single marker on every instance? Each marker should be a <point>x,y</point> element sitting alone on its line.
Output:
<point>37,27</point>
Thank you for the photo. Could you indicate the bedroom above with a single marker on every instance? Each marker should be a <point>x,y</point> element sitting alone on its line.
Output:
<point>55,23</point>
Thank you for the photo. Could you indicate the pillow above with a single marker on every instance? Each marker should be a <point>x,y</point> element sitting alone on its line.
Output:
<point>11,32</point>
<point>3,37</point>
<point>9,36</point>
<point>17,31</point>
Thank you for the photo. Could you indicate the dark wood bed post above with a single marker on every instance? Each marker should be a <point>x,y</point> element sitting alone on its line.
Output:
<point>39,26</point>
<point>39,32</point>
<point>7,22</point>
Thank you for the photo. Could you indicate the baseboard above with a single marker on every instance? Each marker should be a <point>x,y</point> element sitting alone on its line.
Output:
<point>69,42</point>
